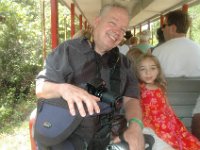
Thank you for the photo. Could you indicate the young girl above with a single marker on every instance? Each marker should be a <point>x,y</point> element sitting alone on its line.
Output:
<point>157,113</point>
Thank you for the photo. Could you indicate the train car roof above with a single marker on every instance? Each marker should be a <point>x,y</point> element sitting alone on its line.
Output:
<point>141,11</point>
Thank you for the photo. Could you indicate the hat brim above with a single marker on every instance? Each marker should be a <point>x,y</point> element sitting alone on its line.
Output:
<point>128,36</point>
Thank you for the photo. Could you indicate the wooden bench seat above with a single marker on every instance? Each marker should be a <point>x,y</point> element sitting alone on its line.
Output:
<point>182,93</point>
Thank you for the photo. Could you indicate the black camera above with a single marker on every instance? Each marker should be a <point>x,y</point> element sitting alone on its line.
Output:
<point>98,88</point>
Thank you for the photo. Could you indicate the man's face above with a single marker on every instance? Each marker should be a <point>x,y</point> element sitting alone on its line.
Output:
<point>109,29</point>
<point>168,30</point>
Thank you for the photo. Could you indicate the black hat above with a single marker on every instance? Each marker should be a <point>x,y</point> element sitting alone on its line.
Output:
<point>128,34</point>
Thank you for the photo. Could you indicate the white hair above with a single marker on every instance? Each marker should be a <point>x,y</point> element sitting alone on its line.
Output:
<point>144,35</point>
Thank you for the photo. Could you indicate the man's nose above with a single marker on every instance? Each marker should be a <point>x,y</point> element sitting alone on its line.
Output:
<point>148,71</point>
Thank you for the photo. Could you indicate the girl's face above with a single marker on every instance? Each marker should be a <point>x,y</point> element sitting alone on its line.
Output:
<point>148,71</point>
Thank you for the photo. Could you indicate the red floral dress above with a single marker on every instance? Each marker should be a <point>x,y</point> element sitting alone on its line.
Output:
<point>160,117</point>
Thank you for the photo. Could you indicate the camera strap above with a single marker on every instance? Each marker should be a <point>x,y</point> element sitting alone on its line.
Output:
<point>114,64</point>
<point>115,72</point>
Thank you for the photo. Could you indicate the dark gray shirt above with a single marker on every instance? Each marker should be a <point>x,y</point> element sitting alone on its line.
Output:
<point>76,62</point>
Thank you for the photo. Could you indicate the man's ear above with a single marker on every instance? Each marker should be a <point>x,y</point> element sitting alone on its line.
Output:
<point>96,21</point>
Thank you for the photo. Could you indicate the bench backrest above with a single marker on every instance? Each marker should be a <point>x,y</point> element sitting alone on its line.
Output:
<point>182,93</point>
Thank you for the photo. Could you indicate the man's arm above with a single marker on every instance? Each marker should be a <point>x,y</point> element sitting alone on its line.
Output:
<point>45,89</point>
<point>72,94</point>
<point>132,108</point>
<point>133,135</point>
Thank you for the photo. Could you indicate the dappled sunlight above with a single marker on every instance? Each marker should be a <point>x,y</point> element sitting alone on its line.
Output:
<point>18,140</point>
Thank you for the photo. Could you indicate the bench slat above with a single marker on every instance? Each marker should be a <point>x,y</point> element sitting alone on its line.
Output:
<point>183,98</point>
<point>183,111</point>
<point>182,93</point>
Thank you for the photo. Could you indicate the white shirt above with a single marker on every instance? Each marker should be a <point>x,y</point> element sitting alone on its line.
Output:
<point>179,57</point>
<point>123,49</point>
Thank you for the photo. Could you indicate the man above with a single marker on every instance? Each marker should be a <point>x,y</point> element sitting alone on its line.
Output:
<point>78,61</point>
<point>179,56</point>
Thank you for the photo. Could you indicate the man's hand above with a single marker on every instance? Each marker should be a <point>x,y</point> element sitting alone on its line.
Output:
<point>79,97</point>
<point>134,137</point>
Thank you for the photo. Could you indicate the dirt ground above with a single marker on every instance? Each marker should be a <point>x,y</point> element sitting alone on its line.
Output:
<point>18,140</point>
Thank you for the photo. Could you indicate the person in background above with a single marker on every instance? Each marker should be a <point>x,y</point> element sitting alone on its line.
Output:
<point>123,47</point>
<point>79,61</point>
<point>133,41</point>
<point>128,35</point>
<point>144,38</point>
<point>133,54</point>
<point>179,56</point>
<point>160,37</point>
<point>196,119</point>
<point>158,115</point>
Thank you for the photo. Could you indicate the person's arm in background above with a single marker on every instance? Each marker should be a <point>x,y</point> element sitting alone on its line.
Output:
<point>195,127</point>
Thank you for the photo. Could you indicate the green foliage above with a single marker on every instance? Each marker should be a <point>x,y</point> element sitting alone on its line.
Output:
<point>20,46</point>
<point>64,23</point>
<point>195,18</point>
<point>154,27</point>
<point>21,52</point>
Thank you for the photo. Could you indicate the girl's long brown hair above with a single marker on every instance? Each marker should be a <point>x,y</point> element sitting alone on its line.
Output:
<point>160,80</point>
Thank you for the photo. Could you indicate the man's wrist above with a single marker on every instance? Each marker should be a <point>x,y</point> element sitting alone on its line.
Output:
<point>135,120</point>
